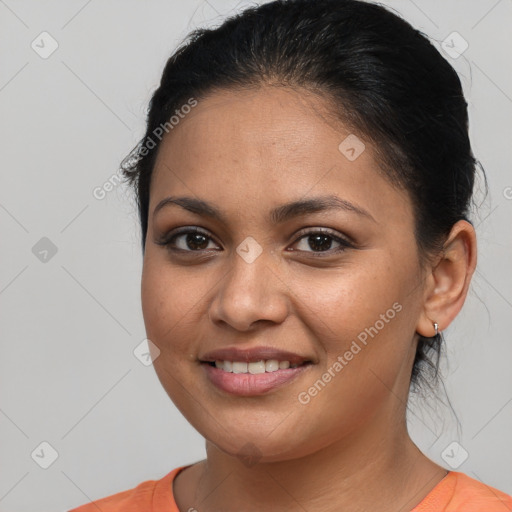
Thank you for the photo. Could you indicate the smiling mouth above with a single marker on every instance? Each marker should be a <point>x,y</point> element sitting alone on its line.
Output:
<point>254,367</point>
<point>253,378</point>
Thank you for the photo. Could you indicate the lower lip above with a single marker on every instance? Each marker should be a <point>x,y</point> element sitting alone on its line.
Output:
<point>248,384</point>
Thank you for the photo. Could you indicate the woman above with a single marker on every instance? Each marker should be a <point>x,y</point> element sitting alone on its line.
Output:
<point>303,189</point>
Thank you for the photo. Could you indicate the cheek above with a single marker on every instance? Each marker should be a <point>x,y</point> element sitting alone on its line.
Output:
<point>353,301</point>
<point>170,306</point>
<point>363,320</point>
<point>171,300</point>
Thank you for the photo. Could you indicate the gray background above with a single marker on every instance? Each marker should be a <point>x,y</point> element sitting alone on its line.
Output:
<point>70,323</point>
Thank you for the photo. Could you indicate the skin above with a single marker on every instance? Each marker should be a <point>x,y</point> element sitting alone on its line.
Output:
<point>247,152</point>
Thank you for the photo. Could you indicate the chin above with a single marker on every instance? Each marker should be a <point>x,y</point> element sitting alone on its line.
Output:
<point>252,446</point>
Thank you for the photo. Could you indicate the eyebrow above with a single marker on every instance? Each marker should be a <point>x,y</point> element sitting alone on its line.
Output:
<point>278,215</point>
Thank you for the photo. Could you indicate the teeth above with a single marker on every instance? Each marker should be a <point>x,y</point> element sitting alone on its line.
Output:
<point>272,365</point>
<point>257,367</point>
<point>239,367</point>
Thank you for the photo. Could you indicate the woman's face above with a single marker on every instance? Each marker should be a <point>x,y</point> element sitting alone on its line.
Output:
<point>344,301</point>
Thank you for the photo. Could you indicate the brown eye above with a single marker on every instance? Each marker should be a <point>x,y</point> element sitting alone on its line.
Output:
<point>193,241</point>
<point>187,240</point>
<point>318,242</point>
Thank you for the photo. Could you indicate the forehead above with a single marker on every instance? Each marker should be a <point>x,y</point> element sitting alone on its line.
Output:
<point>281,119</point>
<point>271,144</point>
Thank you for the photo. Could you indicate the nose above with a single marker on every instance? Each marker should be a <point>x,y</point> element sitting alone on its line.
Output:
<point>250,293</point>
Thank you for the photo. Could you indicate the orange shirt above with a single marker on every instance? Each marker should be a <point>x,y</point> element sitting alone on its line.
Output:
<point>456,492</point>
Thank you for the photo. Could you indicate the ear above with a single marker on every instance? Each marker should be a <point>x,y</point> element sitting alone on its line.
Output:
<point>448,280</point>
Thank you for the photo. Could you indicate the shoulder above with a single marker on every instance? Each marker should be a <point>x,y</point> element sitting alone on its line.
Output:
<point>475,495</point>
<point>145,497</point>
<point>458,492</point>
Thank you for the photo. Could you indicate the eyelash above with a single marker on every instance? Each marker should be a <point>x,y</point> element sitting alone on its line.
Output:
<point>169,239</point>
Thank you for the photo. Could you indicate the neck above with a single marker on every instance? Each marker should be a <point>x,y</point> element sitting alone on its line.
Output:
<point>371,468</point>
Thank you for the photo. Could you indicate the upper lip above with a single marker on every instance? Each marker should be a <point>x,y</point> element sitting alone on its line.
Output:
<point>251,355</point>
